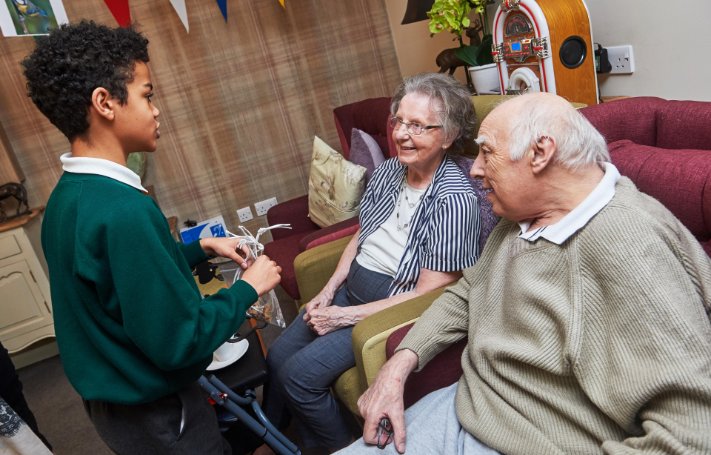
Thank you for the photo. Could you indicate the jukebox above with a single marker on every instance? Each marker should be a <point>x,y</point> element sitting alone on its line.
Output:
<point>545,46</point>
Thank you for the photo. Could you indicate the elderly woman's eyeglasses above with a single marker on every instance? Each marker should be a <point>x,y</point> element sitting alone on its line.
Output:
<point>414,129</point>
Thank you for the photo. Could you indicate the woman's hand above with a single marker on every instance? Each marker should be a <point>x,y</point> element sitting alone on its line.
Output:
<point>227,247</point>
<point>263,275</point>
<point>322,299</point>
<point>327,319</point>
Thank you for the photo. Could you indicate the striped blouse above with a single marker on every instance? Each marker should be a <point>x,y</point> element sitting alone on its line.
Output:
<point>444,231</point>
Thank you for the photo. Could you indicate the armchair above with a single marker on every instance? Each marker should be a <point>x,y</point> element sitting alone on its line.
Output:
<point>313,269</point>
<point>663,146</point>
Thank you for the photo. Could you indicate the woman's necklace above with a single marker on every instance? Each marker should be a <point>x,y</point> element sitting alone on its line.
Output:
<point>410,206</point>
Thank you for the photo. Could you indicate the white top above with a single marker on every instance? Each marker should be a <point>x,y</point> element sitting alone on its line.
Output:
<point>383,249</point>
<point>570,224</point>
<point>100,166</point>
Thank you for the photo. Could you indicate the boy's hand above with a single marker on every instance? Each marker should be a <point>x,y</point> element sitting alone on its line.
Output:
<point>263,275</point>
<point>227,248</point>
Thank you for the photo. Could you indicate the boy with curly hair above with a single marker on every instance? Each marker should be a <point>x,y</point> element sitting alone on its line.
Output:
<point>133,331</point>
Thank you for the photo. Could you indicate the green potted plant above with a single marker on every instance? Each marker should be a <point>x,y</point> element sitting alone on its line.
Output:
<point>455,16</point>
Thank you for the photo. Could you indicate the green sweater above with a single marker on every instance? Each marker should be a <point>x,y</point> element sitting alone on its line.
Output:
<point>601,344</point>
<point>131,324</point>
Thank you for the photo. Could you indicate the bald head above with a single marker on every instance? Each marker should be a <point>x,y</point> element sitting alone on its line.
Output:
<point>526,118</point>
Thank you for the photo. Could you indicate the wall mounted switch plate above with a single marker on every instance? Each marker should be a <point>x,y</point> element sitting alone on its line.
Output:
<point>263,206</point>
<point>621,59</point>
<point>244,214</point>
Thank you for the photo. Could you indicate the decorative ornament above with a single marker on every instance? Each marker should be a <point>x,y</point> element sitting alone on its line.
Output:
<point>179,7</point>
<point>119,9</point>
<point>281,2</point>
<point>223,8</point>
<point>509,5</point>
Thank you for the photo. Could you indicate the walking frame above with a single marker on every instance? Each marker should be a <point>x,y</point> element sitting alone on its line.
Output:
<point>235,404</point>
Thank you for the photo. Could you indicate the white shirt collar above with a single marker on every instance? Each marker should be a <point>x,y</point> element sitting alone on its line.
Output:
<point>580,215</point>
<point>100,166</point>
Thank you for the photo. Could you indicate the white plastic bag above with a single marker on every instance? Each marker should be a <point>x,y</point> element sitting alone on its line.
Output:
<point>266,308</point>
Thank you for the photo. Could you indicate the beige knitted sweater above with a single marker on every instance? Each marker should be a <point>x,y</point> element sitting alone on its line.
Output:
<point>599,345</point>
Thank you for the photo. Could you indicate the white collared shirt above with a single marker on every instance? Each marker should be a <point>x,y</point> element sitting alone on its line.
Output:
<point>100,166</point>
<point>578,217</point>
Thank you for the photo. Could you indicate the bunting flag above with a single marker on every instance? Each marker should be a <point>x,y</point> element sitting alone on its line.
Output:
<point>179,6</point>
<point>120,11</point>
<point>281,2</point>
<point>223,7</point>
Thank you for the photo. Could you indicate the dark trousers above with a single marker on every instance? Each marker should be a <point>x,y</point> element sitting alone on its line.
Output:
<point>180,423</point>
<point>11,392</point>
<point>303,365</point>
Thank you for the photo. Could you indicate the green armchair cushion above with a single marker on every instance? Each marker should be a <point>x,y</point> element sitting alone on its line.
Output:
<point>313,268</point>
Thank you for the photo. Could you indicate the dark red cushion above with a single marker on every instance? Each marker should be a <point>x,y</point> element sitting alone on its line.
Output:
<point>369,115</point>
<point>283,252</point>
<point>443,370</point>
<point>679,179</point>
<point>294,212</point>
<point>684,125</point>
<point>707,246</point>
<point>629,118</point>
<point>329,233</point>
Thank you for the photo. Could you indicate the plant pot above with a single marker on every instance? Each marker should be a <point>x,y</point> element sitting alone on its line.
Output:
<point>485,79</point>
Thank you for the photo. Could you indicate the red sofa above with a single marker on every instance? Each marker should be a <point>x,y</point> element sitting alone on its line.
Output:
<point>665,148</point>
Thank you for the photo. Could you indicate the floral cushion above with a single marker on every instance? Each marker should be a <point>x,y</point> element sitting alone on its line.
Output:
<point>335,186</point>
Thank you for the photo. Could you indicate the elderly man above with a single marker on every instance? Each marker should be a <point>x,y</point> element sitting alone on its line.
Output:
<point>587,315</point>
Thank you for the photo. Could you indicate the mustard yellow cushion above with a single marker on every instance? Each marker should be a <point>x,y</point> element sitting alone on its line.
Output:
<point>335,186</point>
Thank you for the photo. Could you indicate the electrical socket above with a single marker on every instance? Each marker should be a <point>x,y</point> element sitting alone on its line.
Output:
<point>621,58</point>
<point>263,206</point>
<point>244,214</point>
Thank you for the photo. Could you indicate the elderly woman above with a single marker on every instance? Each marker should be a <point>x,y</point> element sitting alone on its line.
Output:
<point>419,227</point>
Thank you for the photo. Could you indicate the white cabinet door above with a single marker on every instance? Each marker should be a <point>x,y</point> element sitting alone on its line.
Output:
<point>25,308</point>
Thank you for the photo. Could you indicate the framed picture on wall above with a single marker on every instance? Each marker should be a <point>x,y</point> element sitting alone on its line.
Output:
<point>31,17</point>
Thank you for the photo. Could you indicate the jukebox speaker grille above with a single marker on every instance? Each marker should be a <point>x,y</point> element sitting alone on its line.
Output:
<point>573,52</point>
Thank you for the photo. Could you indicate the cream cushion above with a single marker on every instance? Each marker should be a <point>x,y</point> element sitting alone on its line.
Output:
<point>335,186</point>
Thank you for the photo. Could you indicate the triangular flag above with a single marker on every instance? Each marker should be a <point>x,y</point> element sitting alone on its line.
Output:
<point>223,7</point>
<point>179,6</point>
<point>120,11</point>
<point>281,2</point>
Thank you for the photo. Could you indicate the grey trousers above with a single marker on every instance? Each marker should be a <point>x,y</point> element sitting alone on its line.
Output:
<point>432,428</point>
<point>303,365</point>
<point>180,423</point>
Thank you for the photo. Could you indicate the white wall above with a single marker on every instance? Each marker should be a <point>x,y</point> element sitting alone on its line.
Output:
<point>671,43</point>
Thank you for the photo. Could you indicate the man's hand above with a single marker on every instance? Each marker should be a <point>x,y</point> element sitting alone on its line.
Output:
<point>227,247</point>
<point>384,399</point>
<point>263,275</point>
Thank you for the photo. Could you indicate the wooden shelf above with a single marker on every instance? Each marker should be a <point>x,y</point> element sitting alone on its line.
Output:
<point>20,220</point>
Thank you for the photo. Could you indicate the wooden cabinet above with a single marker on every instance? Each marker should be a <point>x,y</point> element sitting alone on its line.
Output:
<point>25,305</point>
